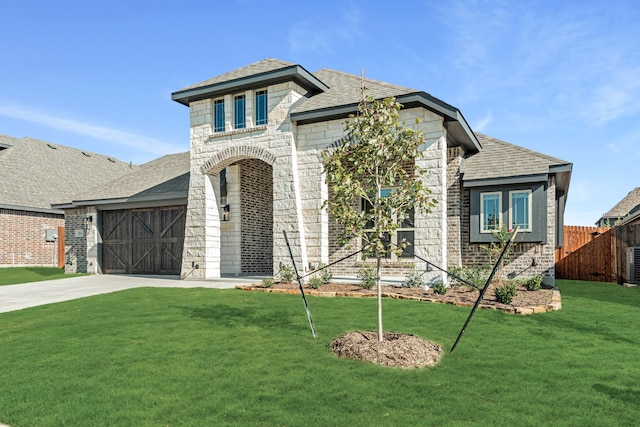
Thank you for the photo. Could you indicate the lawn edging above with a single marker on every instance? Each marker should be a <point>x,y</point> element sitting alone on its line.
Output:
<point>554,305</point>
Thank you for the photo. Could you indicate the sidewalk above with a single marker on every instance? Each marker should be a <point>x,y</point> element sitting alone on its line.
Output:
<point>25,295</point>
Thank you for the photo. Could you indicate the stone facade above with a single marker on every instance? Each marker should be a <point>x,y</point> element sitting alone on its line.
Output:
<point>274,180</point>
<point>22,237</point>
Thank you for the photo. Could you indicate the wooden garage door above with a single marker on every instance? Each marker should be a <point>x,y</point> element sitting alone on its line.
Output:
<point>143,241</point>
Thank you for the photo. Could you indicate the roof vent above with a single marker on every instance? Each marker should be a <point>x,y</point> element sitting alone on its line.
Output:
<point>86,154</point>
<point>111,160</point>
<point>53,147</point>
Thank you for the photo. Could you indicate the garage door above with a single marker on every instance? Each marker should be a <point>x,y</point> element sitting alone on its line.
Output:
<point>143,241</point>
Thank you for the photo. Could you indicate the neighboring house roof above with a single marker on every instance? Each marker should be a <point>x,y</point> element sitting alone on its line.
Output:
<point>159,181</point>
<point>332,94</point>
<point>630,204</point>
<point>35,174</point>
<point>500,162</point>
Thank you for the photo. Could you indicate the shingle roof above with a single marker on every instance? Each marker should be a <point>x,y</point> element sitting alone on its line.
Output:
<point>629,204</point>
<point>166,177</point>
<point>500,159</point>
<point>344,89</point>
<point>262,66</point>
<point>35,174</point>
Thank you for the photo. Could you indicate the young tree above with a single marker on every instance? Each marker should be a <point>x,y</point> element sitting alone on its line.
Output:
<point>374,167</point>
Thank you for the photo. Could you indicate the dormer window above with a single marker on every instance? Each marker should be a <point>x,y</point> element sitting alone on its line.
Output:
<point>218,115</point>
<point>239,112</point>
<point>261,108</point>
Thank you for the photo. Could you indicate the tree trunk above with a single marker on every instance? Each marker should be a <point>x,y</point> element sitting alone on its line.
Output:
<point>379,289</point>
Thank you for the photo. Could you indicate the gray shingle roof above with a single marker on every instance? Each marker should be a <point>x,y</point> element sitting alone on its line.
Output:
<point>629,204</point>
<point>166,177</point>
<point>344,89</point>
<point>262,66</point>
<point>499,159</point>
<point>35,174</point>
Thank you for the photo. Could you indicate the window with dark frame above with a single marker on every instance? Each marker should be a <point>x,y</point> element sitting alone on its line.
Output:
<point>218,115</point>
<point>239,112</point>
<point>261,108</point>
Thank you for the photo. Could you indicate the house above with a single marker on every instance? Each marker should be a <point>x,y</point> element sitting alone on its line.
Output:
<point>256,136</point>
<point>629,205</point>
<point>254,166</point>
<point>33,175</point>
<point>134,224</point>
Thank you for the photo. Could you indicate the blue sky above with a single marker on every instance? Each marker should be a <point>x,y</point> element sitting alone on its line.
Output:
<point>558,77</point>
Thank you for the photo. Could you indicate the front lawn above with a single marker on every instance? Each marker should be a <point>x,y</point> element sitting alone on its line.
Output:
<point>15,275</point>
<point>198,357</point>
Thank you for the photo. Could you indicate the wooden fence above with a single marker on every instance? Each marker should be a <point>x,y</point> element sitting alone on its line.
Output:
<point>587,254</point>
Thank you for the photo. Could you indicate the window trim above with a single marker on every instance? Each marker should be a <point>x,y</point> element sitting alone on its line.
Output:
<point>482,213</point>
<point>239,114</point>
<point>261,107</point>
<point>529,209</point>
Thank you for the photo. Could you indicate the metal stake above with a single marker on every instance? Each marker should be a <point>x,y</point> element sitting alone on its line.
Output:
<point>298,278</point>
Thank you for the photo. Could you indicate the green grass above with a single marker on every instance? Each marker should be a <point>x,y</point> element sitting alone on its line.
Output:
<point>200,357</point>
<point>15,275</point>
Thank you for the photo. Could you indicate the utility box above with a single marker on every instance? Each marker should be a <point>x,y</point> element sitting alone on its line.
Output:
<point>633,265</point>
<point>51,235</point>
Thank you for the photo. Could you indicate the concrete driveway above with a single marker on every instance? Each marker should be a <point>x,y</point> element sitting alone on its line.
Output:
<point>18,297</point>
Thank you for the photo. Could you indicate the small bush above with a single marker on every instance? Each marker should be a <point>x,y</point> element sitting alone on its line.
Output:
<point>534,283</point>
<point>439,288</point>
<point>476,275</point>
<point>367,276</point>
<point>505,293</point>
<point>324,273</point>
<point>267,282</point>
<point>315,282</point>
<point>286,273</point>
<point>414,280</point>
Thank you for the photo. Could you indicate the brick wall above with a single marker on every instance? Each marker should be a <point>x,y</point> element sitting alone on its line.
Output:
<point>22,237</point>
<point>454,207</point>
<point>76,241</point>
<point>521,263</point>
<point>256,207</point>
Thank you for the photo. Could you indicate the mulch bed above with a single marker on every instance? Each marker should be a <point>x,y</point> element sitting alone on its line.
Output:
<point>525,302</point>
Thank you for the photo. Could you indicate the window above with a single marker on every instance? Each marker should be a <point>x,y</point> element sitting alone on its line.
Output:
<point>490,211</point>
<point>239,112</point>
<point>520,210</point>
<point>261,108</point>
<point>218,115</point>
<point>404,232</point>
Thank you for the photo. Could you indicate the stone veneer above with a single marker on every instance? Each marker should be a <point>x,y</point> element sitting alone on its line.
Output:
<point>292,152</point>
<point>81,241</point>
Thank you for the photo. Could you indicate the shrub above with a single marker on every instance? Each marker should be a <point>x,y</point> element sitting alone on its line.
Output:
<point>505,293</point>
<point>315,282</point>
<point>440,288</point>
<point>534,283</point>
<point>476,275</point>
<point>367,276</point>
<point>325,273</point>
<point>414,280</point>
<point>286,273</point>
<point>267,282</point>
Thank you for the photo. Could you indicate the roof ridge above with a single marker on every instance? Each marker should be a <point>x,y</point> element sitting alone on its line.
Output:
<point>355,76</point>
